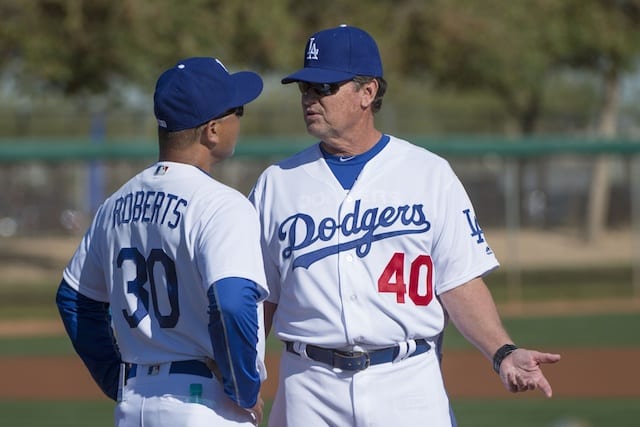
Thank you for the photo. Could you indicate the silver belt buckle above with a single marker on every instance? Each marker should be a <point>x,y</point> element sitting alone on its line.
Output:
<point>354,360</point>
<point>367,361</point>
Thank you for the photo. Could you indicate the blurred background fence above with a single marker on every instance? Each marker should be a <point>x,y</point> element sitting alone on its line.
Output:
<point>532,195</point>
<point>535,182</point>
<point>543,92</point>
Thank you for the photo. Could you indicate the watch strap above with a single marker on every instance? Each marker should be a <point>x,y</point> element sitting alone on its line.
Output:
<point>500,354</point>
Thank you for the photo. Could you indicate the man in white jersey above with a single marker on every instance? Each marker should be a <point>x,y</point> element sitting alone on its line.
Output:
<point>172,263</point>
<point>368,240</point>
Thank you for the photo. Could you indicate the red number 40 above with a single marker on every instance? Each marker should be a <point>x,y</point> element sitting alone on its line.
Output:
<point>392,279</point>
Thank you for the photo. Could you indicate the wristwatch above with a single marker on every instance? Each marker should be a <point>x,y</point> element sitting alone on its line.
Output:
<point>500,354</point>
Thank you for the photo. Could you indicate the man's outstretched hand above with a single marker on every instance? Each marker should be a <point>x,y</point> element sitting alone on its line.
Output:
<point>520,371</point>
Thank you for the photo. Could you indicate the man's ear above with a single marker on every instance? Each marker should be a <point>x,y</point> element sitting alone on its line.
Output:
<point>370,89</point>
<point>209,135</point>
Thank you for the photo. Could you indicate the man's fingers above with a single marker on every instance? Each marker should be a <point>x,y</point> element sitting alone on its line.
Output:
<point>257,411</point>
<point>545,387</point>
<point>548,358</point>
<point>525,374</point>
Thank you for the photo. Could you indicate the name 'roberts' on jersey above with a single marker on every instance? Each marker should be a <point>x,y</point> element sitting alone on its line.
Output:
<point>154,207</point>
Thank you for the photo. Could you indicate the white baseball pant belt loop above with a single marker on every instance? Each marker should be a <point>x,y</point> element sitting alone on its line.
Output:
<point>301,349</point>
<point>358,360</point>
<point>405,350</point>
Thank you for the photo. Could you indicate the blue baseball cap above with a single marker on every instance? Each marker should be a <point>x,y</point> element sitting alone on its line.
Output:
<point>338,54</point>
<point>199,89</point>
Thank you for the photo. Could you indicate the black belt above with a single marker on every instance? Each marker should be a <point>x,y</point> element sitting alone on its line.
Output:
<point>189,367</point>
<point>356,360</point>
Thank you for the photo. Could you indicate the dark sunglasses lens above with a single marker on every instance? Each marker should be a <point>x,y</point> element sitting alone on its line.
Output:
<point>303,86</point>
<point>325,89</point>
<point>321,89</point>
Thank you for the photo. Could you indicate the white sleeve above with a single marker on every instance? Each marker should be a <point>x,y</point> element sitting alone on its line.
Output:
<point>461,252</point>
<point>271,266</point>
<point>85,272</point>
<point>229,245</point>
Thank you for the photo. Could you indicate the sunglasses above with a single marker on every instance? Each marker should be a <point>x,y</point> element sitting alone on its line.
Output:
<point>238,111</point>
<point>320,89</point>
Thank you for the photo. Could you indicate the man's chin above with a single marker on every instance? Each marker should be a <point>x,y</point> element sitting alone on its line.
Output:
<point>314,128</point>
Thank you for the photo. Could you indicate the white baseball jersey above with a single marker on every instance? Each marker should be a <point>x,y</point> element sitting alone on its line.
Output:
<point>363,267</point>
<point>154,248</point>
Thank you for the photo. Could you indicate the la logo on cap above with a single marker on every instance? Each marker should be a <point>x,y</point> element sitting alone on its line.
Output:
<point>312,53</point>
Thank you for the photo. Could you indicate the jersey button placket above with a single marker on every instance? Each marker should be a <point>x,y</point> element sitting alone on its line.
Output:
<point>347,292</point>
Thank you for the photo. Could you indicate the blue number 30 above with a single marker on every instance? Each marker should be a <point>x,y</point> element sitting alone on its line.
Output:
<point>144,273</point>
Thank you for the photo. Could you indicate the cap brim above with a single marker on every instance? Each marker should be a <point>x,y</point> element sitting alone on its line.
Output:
<point>318,75</point>
<point>248,87</point>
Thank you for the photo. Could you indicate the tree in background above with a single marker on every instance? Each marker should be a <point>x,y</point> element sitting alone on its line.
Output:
<point>72,44</point>
<point>511,49</point>
<point>506,49</point>
<point>9,30</point>
<point>82,45</point>
<point>602,37</point>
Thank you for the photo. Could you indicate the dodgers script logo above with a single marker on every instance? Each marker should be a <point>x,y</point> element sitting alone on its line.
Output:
<point>300,231</point>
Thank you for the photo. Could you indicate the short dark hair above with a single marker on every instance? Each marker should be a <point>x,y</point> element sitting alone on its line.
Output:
<point>382,88</point>
<point>178,139</point>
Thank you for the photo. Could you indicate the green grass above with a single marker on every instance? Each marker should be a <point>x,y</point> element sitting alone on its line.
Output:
<point>540,412</point>
<point>64,413</point>
<point>36,346</point>
<point>618,330</point>
<point>525,412</point>
<point>28,312</point>
<point>564,283</point>
<point>41,413</point>
<point>37,300</point>
<point>28,300</point>
<point>543,332</point>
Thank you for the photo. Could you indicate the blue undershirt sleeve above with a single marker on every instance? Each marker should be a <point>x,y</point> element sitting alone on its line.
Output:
<point>233,329</point>
<point>88,324</point>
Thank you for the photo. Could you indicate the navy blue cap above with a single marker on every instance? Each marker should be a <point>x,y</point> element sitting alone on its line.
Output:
<point>338,54</point>
<point>199,89</point>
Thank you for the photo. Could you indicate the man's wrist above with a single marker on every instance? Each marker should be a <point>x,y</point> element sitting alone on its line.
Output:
<point>501,354</point>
